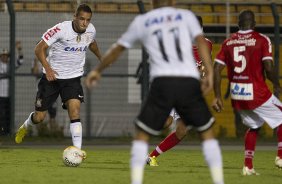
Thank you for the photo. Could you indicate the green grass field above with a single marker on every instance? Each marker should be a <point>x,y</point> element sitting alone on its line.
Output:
<point>28,165</point>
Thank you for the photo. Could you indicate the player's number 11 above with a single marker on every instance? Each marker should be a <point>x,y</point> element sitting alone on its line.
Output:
<point>175,32</point>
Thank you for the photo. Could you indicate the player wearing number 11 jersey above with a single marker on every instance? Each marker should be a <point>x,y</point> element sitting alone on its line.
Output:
<point>247,55</point>
<point>167,34</point>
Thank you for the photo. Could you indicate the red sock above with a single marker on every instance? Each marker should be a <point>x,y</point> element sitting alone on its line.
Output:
<point>170,141</point>
<point>250,145</point>
<point>279,136</point>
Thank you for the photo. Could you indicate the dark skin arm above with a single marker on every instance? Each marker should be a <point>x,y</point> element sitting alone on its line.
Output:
<point>217,103</point>
<point>207,81</point>
<point>271,75</point>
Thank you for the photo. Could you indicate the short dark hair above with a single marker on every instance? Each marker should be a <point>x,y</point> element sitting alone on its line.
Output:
<point>246,19</point>
<point>200,20</point>
<point>83,7</point>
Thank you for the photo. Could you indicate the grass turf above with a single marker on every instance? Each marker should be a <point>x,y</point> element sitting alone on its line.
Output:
<point>111,166</point>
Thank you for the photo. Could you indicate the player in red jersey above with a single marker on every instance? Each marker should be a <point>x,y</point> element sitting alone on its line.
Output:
<point>176,136</point>
<point>247,55</point>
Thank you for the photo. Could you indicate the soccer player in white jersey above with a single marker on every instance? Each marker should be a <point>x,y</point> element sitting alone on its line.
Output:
<point>247,55</point>
<point>167,34</point>
<point>63,68</point>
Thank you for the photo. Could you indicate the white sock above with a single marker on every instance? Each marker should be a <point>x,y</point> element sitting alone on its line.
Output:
<point>76,134</point>
<point>28,122</point>
<point>139,152</point>
<point>212,154</point>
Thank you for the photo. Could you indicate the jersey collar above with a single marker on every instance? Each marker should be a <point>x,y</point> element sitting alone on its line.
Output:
<point>245,31</point>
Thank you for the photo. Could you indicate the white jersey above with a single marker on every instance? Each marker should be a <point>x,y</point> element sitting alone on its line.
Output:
<point>68,49</point>
<point>167,34</point>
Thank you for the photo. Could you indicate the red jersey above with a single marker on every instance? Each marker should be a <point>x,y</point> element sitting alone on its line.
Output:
<point>243,54</point>
<point>196,53</point>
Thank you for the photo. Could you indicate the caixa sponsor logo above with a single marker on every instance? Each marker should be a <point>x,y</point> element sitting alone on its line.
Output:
<point>241,91</point>
<point>76,49</point>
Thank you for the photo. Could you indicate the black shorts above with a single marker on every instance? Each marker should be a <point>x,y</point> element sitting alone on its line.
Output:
<point>182,93</point>
<point>48,92</point>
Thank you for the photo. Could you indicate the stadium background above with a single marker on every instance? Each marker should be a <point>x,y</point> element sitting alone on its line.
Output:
<point>110,108</point>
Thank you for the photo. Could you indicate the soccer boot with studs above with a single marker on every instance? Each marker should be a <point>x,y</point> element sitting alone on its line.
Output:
<point>21,133</point>
<point>152,161</point>
<point>247,172</point>
<point>278,162</point>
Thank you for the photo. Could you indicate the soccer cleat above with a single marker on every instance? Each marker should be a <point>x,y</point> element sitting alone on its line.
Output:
<point>22,131</point>
<point>278,162</point>
<point>152,161</point>
<point>247,172</point>
<point>84,155</point>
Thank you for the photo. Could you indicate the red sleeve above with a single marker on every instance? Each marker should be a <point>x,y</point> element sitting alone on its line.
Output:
<point>209,44</point>
<point>266,48</point>
<point>220,57</point>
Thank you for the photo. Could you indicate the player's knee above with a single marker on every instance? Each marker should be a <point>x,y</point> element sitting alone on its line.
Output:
<point>181,130</point>
<point>38,117</point>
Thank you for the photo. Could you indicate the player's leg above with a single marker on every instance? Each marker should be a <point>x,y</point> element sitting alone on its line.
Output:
<point>271,113</point>
<point>47,93</point>
<point>73,106</point>
<point>33,119</point>
<point>194,112</point>
<point>212,154</point>
<point>52,111</point>
<point>254,122</point>
<point>151,120</point>
<point>139,151</point>
<point>72,96</point>
<point>278,159</point>
<point>169,142</point>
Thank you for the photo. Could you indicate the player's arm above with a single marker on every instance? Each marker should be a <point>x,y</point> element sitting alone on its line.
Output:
<point>95,49</point>
<point>207,82</point>
<point>271,75</point>
<point>40,52</point>
<point>217,103</point>
<point>202,68</point>
<point>35,68</point>
<point>110,56</point>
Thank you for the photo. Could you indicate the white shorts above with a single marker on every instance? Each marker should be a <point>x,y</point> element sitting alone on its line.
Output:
<point>174,114</point>
<point>269,112</point>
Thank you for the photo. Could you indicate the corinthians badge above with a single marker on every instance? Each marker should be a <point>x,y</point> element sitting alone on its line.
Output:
<point>38,102</point>
<point>78,38</point>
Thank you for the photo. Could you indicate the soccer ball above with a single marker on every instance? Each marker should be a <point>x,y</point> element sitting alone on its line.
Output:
<point>72,156</point>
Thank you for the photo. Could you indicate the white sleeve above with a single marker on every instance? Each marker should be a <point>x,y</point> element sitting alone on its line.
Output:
<point>53,34</point>
<point>193,25</point>
<point>94,33</point>
<point>131,35</point>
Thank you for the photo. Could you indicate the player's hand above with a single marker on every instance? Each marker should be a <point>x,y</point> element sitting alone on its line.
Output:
<point>217,104</point>
<point>92,78</point>
<point>51,74</point>
<point>207,84</point>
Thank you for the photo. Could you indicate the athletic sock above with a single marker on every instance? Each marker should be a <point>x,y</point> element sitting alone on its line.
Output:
<point>28,122</point>
<point>212,154</point>
<point>169,142</point>
<point>139,153</point>
<point>250,145</point>
<point>76,134</point>
<point>279,136</point>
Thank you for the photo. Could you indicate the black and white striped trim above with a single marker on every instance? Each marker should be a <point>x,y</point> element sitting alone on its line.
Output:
<point>146,128</point>
<point>206,126</point>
